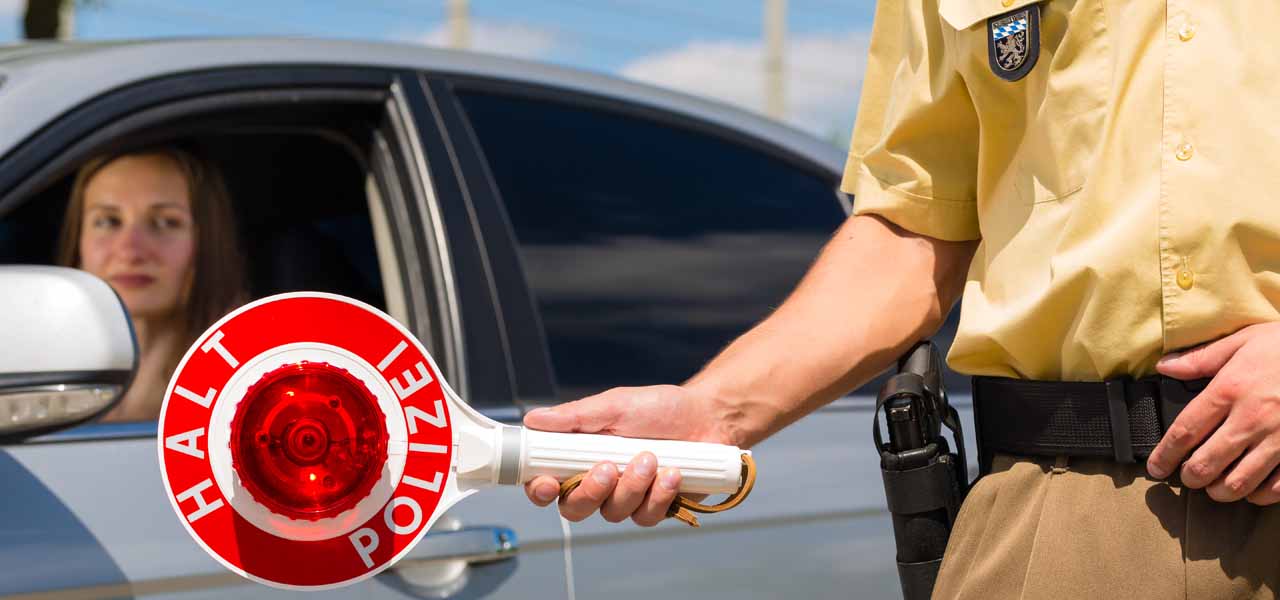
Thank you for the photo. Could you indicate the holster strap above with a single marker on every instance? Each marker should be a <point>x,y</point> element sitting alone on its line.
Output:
<point>920,490</point>
<point>918,578</point>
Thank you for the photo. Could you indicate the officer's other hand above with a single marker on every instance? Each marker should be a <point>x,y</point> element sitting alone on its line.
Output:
<point>645,489</point>
<point>1237,417</point>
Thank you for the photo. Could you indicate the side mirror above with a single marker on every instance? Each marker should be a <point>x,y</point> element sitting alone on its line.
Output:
<point>67,349</point>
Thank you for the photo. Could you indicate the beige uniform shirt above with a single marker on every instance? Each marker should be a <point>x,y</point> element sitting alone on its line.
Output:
<point>1124,190</point>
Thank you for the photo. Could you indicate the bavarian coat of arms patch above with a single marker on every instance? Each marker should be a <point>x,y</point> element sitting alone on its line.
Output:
<point>1013,42</point>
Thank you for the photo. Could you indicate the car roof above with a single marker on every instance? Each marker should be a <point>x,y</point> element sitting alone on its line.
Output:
<point>40,81</point>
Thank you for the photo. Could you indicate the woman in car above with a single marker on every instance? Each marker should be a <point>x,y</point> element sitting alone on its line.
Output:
<point>157,225</point>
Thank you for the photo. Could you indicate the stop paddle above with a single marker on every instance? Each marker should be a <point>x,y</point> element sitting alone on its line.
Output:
<point>308,441</point>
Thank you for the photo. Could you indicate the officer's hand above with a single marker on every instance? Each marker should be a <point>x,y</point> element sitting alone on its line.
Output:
<point>645,489</point>
<point>1237,417</point>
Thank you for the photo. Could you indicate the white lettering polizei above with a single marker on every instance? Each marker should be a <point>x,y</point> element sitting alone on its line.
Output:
<point>428,448</point>
<point>215,343</point>
<point>411,385</point>
<point>430,486</point>
<point>202,507</point>
<point>204,400</point>
<point>414,414</point>
<point>391,356</point>
<point>365,549</point>
<point>186,443</point>
<point>388,514</point>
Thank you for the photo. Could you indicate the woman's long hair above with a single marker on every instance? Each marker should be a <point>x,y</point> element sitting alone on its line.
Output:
<point>218,282</point>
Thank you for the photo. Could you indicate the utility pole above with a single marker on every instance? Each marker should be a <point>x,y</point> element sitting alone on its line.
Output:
<point>459,25</point>
<point>48,19</point>
<point>775,68</point>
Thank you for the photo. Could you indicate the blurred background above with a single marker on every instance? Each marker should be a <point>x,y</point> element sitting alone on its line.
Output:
<point>797,61</point>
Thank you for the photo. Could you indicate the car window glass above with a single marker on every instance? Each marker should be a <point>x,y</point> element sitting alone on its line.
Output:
<point>298,207</point>
<point>648,246</point>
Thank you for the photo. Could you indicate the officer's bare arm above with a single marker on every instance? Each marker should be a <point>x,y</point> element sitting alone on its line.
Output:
<point>873,291</point>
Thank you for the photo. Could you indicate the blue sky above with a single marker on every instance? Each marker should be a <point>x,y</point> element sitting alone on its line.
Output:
<point>709,47</point>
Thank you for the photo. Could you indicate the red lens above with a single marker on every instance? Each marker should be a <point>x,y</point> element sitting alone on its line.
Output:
<point>308,441</point>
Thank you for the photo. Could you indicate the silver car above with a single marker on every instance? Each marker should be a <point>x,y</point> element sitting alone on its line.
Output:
<point>547,233</point>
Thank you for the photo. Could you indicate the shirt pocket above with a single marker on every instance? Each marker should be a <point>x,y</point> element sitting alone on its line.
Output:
<point>1039,135</point>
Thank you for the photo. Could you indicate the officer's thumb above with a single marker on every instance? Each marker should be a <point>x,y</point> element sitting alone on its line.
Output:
<point>588,415</point>
<point>1201,361</point>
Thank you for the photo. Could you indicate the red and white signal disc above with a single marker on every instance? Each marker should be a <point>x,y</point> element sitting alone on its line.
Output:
<point>305,441</point>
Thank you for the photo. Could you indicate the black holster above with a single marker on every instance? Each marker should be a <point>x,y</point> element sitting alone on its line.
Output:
<point>924,479</point>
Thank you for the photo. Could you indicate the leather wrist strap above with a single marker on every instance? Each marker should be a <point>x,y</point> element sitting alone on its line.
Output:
<point>683,508</point>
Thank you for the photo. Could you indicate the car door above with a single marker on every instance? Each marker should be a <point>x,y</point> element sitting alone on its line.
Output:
<point>84,510</point>
<point>648,240</point>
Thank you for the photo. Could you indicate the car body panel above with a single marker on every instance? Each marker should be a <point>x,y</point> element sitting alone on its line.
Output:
<point>42,540</point>
<point>103,524</point>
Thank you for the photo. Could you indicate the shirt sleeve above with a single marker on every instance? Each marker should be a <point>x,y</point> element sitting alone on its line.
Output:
<point>914,153</point>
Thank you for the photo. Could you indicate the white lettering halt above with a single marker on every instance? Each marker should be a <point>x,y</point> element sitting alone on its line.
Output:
<point>186,443</point>
<point>215,343</point>
<point>204,400</point>
<point>196,492</point>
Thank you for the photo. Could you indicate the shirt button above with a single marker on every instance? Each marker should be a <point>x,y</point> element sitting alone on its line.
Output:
<point>1006,3</point>
<point>1186,279</point>
<point>1184,151</point>
<point>1186,32</point>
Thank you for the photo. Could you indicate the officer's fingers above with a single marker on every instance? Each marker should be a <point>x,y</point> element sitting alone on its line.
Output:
<point>661,494</point>
<point>591,493</point>
<point>1200,418</point>
<point>1213,457</point>
<point>1247,474</point>
<point>542,490</point>
<point>631,488</point>
<point>1267,493</point>
<point>1204,360</point>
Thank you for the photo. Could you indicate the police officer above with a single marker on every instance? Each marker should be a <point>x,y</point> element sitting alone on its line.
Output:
<point>1098,179</point>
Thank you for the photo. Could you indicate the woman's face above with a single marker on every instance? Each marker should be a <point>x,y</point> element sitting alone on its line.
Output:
<point>138,234</point>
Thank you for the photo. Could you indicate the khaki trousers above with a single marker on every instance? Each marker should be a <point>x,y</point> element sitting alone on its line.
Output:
<point>1087,528</point>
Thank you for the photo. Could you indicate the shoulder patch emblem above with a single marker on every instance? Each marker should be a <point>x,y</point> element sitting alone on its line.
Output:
<point>1014,42</point>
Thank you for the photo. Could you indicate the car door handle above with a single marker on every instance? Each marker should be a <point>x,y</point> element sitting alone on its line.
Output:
<point>468,544</point>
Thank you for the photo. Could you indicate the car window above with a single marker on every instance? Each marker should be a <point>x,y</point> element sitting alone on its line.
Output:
<point>301,219</point>
<point>648,246</point>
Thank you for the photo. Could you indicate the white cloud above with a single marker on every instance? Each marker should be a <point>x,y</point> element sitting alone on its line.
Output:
<point>824,76</point>
<point>12,8</point>
<point>511,39</point>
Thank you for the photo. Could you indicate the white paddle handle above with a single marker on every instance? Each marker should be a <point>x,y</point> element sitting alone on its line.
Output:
<point>704,468</point>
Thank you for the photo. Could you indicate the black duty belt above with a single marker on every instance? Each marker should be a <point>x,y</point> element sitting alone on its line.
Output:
<point>1122,418</point>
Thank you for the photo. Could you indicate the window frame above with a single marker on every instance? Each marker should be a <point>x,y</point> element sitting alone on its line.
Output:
<point>488,380</point>
<point>532,362</point>
<point>394,165</point>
